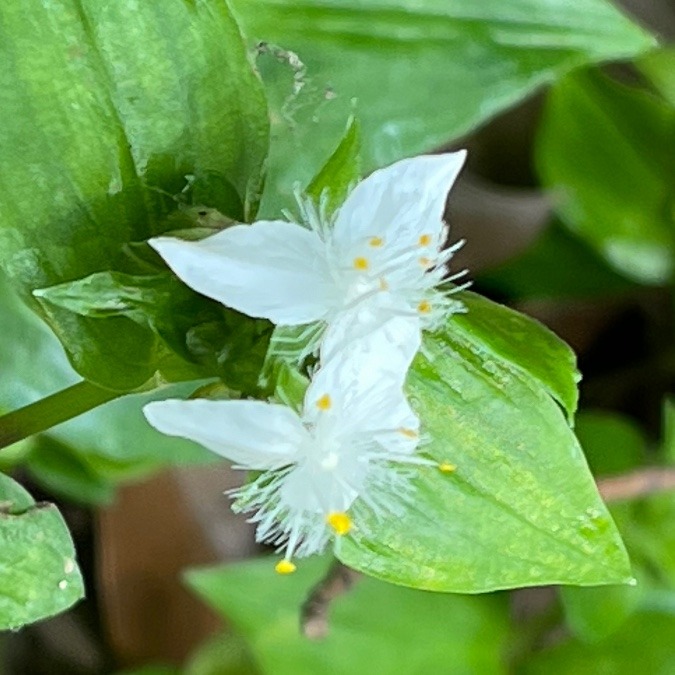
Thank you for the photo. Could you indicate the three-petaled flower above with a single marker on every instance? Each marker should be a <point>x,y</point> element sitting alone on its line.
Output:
<point>353,440</point>
<point>380,257</point>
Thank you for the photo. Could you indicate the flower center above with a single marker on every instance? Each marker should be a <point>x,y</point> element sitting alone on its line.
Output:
<point>330,461</point>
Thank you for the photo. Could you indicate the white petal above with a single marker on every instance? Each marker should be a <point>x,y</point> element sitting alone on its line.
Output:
<point>308,489</point>
<point>399,203</point>
<point>364,382</point>
<point>271,269</point>
<point>387,336</point>
<point>251,434</point>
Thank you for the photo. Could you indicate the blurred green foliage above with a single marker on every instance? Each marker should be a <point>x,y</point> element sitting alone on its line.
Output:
<point>125,120</point>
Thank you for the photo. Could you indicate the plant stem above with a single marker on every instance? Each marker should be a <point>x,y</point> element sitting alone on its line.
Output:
<point>52,410</point>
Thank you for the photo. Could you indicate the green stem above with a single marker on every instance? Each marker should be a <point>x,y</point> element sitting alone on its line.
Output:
<point>52,410</point>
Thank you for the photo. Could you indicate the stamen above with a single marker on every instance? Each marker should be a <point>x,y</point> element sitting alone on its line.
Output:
<point>424,307</point>
<point>425,262</point>
<point>340,522</point>
<point>425,240</point>
<point>384,286</point>
<point>376,242</point>
<point>408,433</point>
<point>361,264</point>
<point>285,567</point>
<point>324,403</point>
<point>446,467</point>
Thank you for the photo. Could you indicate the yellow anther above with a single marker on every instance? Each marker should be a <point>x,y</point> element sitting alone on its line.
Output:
<point>424,307</point>
<point>446,467</point>
<point>425,262</point>
<point>361,264</point>
<point>324,403</point>
<point>384,286</point>
<point>425,240</point>
<point>376,242</point>
<point>285,567</point>
<point>408,433</point>
<point>340,522</point>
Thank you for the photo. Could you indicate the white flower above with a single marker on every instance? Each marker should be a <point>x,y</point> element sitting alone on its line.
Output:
<point>382,257</point>
<point>355,439</point>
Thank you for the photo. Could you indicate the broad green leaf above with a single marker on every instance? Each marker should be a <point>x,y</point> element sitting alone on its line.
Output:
<point>113,442</point>
<point>606,151</point>
<point>524,343</point>
<point>422,72</point>
<point>111,110</point>
<point>521,508</point>
<point>195,337</point>
<point>557,265</point>
<point>644,645</point>
<point>38,573</point>
<point>374,626</point>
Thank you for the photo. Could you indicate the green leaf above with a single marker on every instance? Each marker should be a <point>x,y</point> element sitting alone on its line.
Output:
<point>109,108</point>
<point>606,151</point>
<point>340,172</point>
<point>521,508</point>
<point>195,337</point>
<point>557,265</point>
<point>644,645</point>
<point>366,624</point>
<point>422,72</point>
<point>113,441</point>
<point>523,342</point>
<point>38,573</point>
